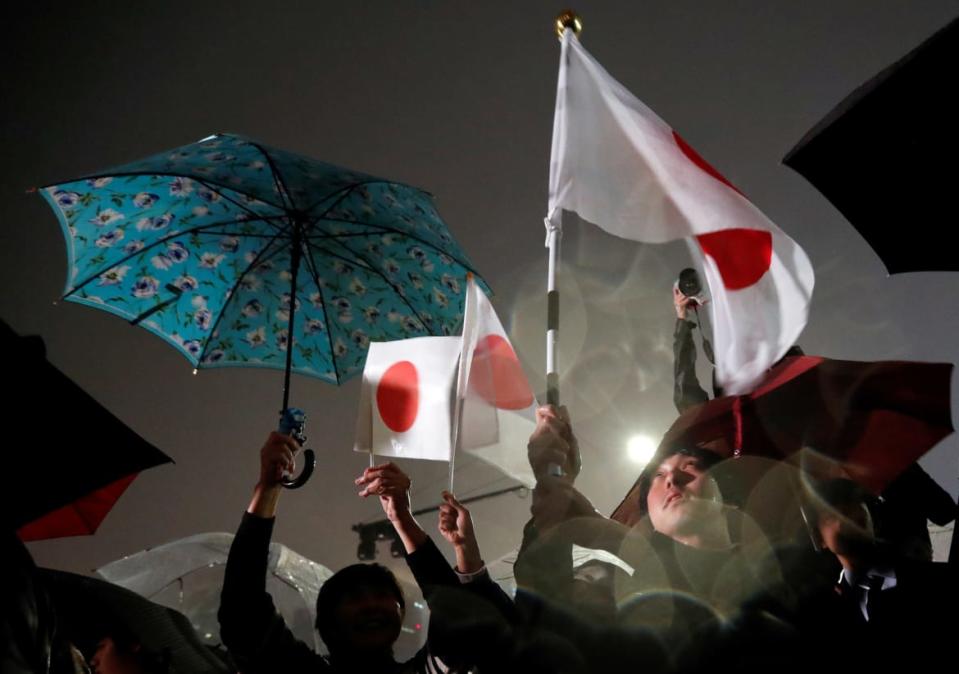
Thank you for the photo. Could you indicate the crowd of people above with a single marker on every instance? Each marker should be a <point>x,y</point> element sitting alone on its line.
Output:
<point>699,584</point>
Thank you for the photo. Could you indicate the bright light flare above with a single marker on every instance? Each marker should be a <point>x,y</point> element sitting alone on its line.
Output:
<point>640,449</point>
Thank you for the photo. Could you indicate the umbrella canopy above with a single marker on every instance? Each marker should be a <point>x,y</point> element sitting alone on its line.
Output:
<point>872,420</point>
<point>90,608</point>
<point>187,575</point>
<point>96,456</point>
<point>231,251</point>
<point>884,156</point>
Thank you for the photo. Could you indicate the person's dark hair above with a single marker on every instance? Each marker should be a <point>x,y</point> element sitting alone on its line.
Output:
<point>707,459</point>
<point>345,581</point>
<point>125,641</point>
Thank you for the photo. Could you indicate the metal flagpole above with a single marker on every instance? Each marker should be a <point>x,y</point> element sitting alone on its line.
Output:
<point>554,234</point>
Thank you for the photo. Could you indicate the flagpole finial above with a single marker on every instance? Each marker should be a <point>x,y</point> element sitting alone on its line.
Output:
<point>568,19</point>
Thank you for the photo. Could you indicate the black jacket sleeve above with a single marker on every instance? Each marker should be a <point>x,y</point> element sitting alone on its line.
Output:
<point>469,622</point>
<point>255,634</point>
<point>686,389</point>
<point>433,573</point>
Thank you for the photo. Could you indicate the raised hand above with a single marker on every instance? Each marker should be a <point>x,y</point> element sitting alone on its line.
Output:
<point>553,443</point>
<point>277,458</point>
<point>456,526</point>
<point>392,486</point>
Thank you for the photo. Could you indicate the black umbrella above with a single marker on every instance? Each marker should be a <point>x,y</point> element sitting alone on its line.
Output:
<point>67,458</point>
<point>885,156</point>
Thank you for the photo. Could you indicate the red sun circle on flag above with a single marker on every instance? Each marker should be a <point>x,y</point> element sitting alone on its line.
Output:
<point>398,396</point>
<point>741,255</point>
<point>497,376</point>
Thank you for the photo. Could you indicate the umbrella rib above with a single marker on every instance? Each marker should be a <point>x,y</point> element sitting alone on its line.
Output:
<point>169,174</point>
<point>188,572</point>
<point>341,194</point>
<point>385,229</point>
<point>323,216</point>
<point>376,271</point>
<point>245,235</point>
<point>242,206</point>
<point>345,192</point>
<point>393,230</point>
<point>372,181</point>
<point>168,237</point>
<point>323,237</point>
<point>311,264</point>
<point>277,177</point>
<point>256,261</point>
<point>348,260</point>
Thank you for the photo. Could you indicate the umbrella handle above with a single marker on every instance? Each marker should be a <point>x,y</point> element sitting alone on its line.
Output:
<point>293,423</point>
<point>309,463</point>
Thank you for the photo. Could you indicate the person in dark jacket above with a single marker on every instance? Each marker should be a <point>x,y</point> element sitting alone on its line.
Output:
<point>360,609</point>
<point>887,612</point>
<point>695,593</point>
<point>907,503</point>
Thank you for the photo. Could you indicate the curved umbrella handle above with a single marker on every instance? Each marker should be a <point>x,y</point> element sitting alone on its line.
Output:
<point>293,423</point>
<point>309,463</point>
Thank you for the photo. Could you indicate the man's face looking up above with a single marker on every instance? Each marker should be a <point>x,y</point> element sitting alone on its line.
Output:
<point>683,499</point>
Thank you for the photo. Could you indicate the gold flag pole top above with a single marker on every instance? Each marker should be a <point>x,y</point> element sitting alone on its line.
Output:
<point>568,19</point>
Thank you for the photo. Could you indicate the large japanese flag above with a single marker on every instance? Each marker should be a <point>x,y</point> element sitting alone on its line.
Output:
<point>407,398</point>
<point>619,166</point>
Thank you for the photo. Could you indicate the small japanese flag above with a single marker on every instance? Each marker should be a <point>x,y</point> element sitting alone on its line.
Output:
<point>498,406</point>
<point>420,397</point>
<point>406,400</point>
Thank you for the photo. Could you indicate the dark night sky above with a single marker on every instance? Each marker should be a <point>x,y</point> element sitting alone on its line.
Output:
<point>456,98</point>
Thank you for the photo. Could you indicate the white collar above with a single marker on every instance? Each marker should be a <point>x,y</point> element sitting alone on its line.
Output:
<point>861,580</point>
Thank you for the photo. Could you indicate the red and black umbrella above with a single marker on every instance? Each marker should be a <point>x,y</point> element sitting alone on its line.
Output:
<point>872,420</point>
<point>67,458</point>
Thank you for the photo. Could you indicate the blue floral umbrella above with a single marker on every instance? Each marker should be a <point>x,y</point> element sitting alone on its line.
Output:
<point>226,247</point>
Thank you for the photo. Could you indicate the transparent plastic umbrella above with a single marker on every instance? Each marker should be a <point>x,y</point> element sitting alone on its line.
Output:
<point>187,575</point>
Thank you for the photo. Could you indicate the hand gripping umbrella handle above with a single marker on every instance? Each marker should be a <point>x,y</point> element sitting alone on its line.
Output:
<point>293,423</point>
<point>309,463</point>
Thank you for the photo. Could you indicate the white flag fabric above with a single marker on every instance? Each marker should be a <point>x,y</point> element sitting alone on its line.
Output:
<point>618,165</point>
<point>406,398</point>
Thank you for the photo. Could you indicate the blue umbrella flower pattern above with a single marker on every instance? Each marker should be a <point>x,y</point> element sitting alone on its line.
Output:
<point>226,247</point>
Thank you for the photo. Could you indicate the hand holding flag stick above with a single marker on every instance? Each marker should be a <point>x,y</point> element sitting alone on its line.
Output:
<point>456,526</point>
